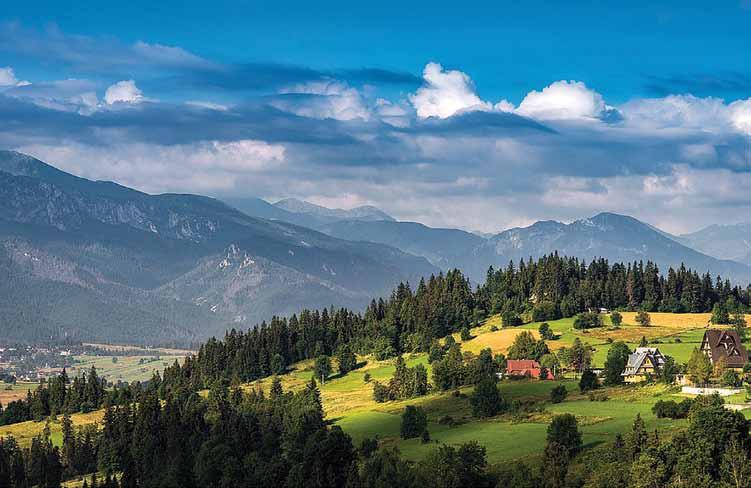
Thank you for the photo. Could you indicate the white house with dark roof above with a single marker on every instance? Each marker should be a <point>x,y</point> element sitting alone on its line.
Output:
<point>643,363</point>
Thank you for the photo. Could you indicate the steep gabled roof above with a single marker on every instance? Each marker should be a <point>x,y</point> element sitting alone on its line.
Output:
<point>725,344</point>
<point>642,354</point>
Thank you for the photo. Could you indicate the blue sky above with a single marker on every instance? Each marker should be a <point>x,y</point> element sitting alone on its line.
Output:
<point>506,111</point>
<point>509,48</point>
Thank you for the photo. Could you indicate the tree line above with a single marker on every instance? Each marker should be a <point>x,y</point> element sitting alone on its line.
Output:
<point>410,320</point>
<point>65,395</point>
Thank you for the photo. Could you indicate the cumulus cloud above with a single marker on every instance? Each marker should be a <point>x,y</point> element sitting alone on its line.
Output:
<point>740,115</point>
<point>445,93</point>
<point>687,112</point>
<point>324,100</point>
<point>563,100</point>
<point>8,78</point>
<point>124,91</point>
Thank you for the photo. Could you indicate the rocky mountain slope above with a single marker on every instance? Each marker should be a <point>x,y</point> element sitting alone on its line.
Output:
<point>164,267</point>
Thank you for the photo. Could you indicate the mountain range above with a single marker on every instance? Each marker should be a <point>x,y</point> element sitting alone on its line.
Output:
<point>97,261</point>
<point>619,238</point>
<point>305,214</point>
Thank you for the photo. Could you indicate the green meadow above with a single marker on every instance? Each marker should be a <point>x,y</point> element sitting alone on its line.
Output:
<point>348,400</point>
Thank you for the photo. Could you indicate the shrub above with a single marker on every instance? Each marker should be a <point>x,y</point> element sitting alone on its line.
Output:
<point>546,311</point>
<point>587,320</point>
<point>671,409</point>
<point>616,319</point>
<point>564,432</point>
<point>368,446</point>
<point>347,360</point>
<point>381,392</point>
<point>588,381</point>
<point>558,394</point>
<point>383,349</point>
<point>425,436</point>
<point>643,319</point>
<point>486,400</point>
<point>414,422</point>
<point>436,352</point>
<point>731,378</point>
<point>366,377</point>
<point>465,334</point>
<point>447,420</point>
<point>525,346</point>
<point>546,333</point>
<point>277,364</point>
<point>720,314</point>
<point>511,319</point>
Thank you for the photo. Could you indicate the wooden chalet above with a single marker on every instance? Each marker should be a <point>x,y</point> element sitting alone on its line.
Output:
<point>726,344</point>
<point>643,363</point>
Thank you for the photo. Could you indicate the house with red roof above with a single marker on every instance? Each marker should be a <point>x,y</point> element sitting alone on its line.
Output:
<point>525,368</point>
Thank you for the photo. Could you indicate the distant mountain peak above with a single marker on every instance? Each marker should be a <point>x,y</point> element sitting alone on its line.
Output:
<point>364,212</point>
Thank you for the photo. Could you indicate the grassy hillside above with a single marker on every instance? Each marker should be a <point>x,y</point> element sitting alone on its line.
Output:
<point>124,368</point>
<point>348,400</point>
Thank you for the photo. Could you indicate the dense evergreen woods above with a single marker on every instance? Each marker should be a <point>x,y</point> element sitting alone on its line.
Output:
<point>83,393</point>
<point>410,320</point>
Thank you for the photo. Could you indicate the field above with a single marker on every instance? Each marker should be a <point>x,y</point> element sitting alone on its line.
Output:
<point>348,403</point>
<point>674,334</point>
<point>23,432</point>
<point>123,368</point>
<point>348,399</point>
<point>9,393</point>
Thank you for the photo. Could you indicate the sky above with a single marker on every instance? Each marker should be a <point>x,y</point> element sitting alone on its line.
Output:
<point>478,115</point>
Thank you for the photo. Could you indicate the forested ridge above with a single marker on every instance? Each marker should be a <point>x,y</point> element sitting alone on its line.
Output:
<point>165,434</point>
<point>410,320</point>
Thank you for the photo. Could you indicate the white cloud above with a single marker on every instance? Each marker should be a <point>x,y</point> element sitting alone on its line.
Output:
<point>124,91</point>
<point>676,111</point>
<point>205,166</point>
<point>324,100</point>
<point>395,114</point>
<point>69,95</point>
<point>445,93</point>
<point>563,100</point>
<point>207,105</point>
<point>168,55</point>
<point>687,112</point>
<point>740,115</point>
<point>504,106</point>
<point>8,78</point>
